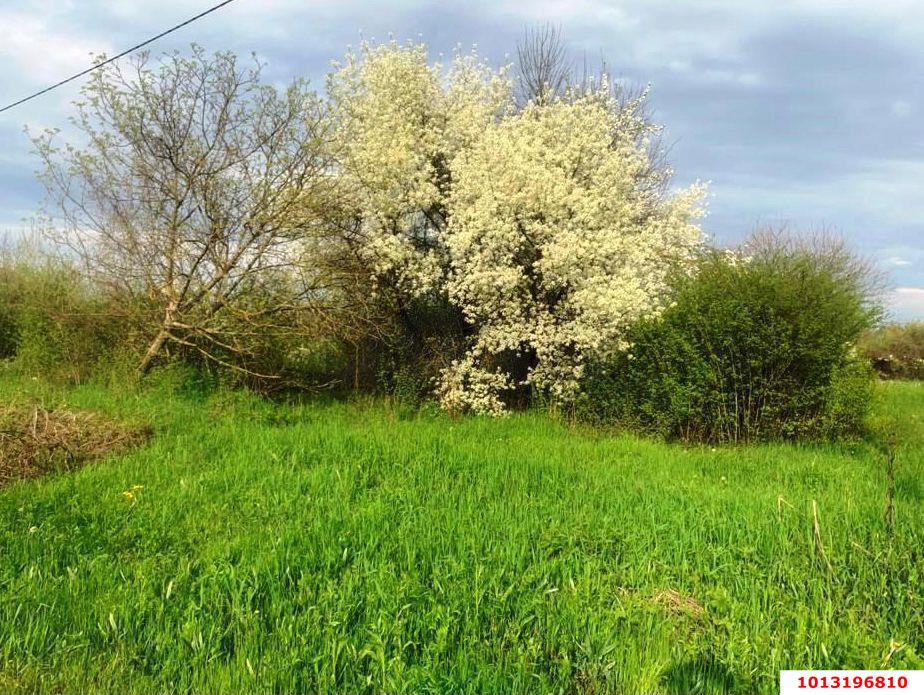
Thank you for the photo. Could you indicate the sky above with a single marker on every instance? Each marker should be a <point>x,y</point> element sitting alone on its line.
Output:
<point>804,113</point>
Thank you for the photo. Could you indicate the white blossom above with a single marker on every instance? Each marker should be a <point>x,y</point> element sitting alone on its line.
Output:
<point>548,227</point>
<point>554,246</point>
<point>400,122</point>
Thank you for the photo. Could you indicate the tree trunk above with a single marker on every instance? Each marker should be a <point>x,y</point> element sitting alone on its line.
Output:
<point>152,351</point>
<point>161,337</point>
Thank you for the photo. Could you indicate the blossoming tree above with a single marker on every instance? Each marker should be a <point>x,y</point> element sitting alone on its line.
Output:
<point>548,227</point>
<point>400,123</point>
<point>554,246</point>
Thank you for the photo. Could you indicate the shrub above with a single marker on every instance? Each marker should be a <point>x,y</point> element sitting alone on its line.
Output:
<point>755,346</point>
<point>9,325</point>
<point>896,351</point>
<point>52,322</point>
<point>58,323</point>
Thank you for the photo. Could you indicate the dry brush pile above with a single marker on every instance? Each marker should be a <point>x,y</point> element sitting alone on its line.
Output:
<point>35,441</point>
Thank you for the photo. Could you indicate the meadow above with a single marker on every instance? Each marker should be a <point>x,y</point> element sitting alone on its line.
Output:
<point>325,546</point>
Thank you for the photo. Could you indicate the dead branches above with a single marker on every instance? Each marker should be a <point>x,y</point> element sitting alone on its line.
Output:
<point>35,441</point>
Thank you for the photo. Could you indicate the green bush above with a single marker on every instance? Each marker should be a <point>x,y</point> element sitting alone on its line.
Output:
<point>14,283</point>
<point>57,323</point>
<point>423,337</point>
<point>896,351</point>
<point>751,346</point>
<point>52,322</point>
<point>9,328</point>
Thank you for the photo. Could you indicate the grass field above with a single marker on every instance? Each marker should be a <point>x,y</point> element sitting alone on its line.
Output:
<point>333,547</point>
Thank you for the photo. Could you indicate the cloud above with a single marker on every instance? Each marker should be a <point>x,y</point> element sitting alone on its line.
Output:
<point>40,53</point>
<point>907,303</point>
<point>901,108</point>
<point>797,110</point>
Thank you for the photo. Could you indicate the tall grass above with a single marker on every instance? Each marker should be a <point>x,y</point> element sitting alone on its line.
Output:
<point>363,548</point>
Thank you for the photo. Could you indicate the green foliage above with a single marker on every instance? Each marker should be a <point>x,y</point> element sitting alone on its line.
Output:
<point>285,357</point>
<point>54,324</point>
<point>66,331</point>
<point>9,325</point>
<point>323,362</point>
<point>16,279</point>
<point>424,336</point>
<point>748,348</point>
<point>896,351</point>
<point>847,401</point>
<point>338,548</point>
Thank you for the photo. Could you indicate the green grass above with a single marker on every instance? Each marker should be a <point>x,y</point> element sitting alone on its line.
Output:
<point>335,547</point>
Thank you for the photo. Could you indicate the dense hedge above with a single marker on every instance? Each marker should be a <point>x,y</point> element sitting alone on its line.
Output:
<point>757,346</point>
<point>53,324</point>
<point>754,347</point>
<point>896,351</point>
<point>57,324</point>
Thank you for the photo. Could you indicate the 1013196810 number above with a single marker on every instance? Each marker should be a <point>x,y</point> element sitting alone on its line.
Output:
<point>804,682</point>
<point>853,682</point>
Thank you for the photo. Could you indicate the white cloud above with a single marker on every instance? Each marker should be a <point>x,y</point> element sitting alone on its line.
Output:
<point>695,73</point>
<point>907,302</point>
<point>607,13</point>
<point>901,256</point>
<point>40,53</point>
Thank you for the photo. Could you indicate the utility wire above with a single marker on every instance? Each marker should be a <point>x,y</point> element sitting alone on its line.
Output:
<point>123,53</point>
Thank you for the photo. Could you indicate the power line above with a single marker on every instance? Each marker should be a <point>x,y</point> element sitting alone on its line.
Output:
<point>123,53</point>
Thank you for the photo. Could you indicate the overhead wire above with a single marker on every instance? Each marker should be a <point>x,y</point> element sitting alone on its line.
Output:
<point>116,57</point>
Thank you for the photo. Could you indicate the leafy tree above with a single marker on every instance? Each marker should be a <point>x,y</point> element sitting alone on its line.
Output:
<point>186,197</point>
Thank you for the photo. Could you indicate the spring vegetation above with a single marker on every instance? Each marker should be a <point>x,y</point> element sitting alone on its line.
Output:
<point>483,238</point>
<point>432,381</point>
<point>326,546</point>
<point>896,351</point>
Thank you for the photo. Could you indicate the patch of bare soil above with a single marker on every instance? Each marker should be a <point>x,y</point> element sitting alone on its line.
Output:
<point>35,441</point>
